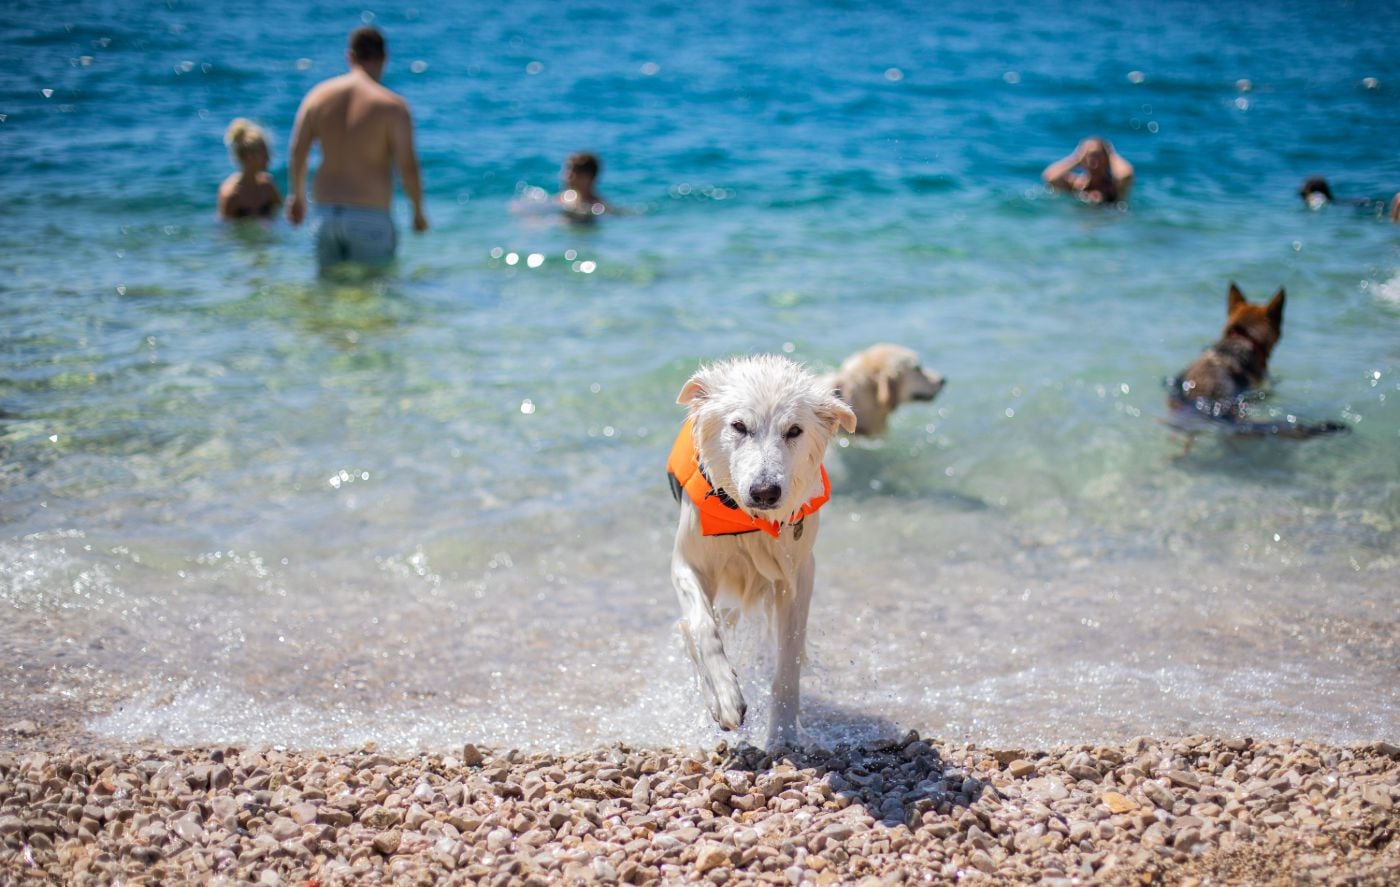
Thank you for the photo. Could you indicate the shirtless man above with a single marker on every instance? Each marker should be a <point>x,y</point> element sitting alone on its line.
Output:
<point>1105,176</point>
<point>364,130</point>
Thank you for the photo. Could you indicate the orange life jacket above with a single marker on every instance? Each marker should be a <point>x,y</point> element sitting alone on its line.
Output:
<point>720,515</point>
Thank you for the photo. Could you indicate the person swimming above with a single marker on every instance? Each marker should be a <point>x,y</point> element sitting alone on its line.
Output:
<point>1315,192</point>
<point>249,193</point>
<point>1094,172</point>
<point>579,201</point>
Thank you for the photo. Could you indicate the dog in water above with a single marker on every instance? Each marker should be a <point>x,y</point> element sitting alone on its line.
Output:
<point>747,471</point>
<point>880,378</point>
<point>1215,389</point>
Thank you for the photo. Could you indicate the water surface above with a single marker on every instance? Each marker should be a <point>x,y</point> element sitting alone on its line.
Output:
<point>241,504</point>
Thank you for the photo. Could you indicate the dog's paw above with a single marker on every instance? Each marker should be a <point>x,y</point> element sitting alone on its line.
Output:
<point>727,705</point>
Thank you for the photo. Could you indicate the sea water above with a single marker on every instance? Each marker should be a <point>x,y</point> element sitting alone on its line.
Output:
<point>239,503</point>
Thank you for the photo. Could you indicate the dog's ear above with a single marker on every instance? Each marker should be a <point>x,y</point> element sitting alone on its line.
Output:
<point>836,413</point>
<point>694,390</point>
<point>1235,300</point>
<point>882,389</point>
<point>1275,309</point>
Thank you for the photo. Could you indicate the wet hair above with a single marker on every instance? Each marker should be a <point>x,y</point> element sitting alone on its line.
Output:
<point>584,162</point>
<point>367,44</point>
<point>242,136</point>
<point>1315,185</point>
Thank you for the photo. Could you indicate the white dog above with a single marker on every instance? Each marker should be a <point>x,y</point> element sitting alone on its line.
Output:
<point>747,469</point>
<point>880,378</point>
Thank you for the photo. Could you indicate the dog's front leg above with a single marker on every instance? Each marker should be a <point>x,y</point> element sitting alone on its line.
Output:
<point>791,617</point>
<point>700,628</point>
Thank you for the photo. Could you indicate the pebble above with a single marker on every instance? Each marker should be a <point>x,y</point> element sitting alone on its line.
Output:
<point>1195,810</point>
<point>388,842</point>
<point>1118,803</point>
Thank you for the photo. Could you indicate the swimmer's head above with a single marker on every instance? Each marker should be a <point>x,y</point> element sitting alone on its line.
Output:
<point>1315,192</point>
<point>1095,154</point>
<point>366,50</point>
<point>581,168</point>
<point>247,143</point>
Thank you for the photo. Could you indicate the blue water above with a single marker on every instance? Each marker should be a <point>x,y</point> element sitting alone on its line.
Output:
<point>239,503</point>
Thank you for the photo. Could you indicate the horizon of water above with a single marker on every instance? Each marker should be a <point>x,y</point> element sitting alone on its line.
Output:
<point>239,503</point>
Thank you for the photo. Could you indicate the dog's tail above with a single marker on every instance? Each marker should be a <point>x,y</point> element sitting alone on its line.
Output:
<point>1290,427</point>
<point>1194,415</point>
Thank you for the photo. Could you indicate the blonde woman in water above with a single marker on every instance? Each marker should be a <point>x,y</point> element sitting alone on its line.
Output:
<point>249,193</point>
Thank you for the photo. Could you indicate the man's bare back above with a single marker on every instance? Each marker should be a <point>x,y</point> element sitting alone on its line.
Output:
<point>365,130</point>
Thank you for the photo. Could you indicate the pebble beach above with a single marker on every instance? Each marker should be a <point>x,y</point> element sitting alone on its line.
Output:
<point>1194,810</point>
<point>320,580</point>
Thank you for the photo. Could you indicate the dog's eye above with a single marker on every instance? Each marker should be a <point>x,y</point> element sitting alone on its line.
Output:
<point>794,432</point>
<point>739,427</point>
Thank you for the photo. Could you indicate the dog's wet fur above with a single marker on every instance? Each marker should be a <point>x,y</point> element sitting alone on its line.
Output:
<point>1214,392</point>
<point>876,380</point>
<point>761,427</point>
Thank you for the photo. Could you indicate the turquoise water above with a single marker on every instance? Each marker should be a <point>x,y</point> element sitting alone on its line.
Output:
<point>242,504</point>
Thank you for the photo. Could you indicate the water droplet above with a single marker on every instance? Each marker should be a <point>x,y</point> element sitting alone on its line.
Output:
<point>650,69</point>
<point>1011,77</point>
<point>595,387</point>
<point>1297,246</point>
<point>303,64</point>
<point>1242,103</point>
<point>121,290</point>
<point>788,347</point>
<point>1370,83</point>
<point>1243,85</point>
<point>1010,413</point>
<point>1136,76</point>
<point>512,258</point>
<point>497,252</point>
<point>534,67</point>
<point>1152,126</point>
<point>53,438</point>
<point>48,93</point>
<point>527,407</point>
<point>588,267</point>
<point>570,255</point>
<point>366,16</point>
<point>418,66</point>
<point>534,260</point>
<point>894,75</point>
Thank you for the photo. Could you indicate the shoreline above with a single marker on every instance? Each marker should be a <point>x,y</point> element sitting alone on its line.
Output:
<point>1192,810</point>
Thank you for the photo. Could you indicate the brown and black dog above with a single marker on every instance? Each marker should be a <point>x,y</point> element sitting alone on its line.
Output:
<point>1214,390</point>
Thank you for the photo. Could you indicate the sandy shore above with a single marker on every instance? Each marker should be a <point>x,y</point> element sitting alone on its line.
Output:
<point>1190,811</point>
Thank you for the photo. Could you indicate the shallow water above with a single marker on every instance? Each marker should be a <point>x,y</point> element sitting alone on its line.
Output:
<point>240,504</point>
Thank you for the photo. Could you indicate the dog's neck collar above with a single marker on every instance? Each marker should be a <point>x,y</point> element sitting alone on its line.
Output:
<point>1261,352</point>
<point>720,514</point>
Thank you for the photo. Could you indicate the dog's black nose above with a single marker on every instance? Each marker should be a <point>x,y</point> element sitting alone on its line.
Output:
<point>765,494</point>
